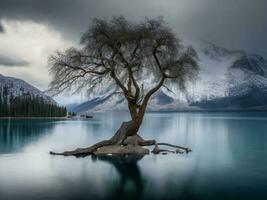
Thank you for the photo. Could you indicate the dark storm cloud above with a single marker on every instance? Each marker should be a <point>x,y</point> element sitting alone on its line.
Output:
<point>234,24</point>
<point>11,62</point>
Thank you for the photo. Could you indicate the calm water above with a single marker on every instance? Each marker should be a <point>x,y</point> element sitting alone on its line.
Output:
<point>229,159</point>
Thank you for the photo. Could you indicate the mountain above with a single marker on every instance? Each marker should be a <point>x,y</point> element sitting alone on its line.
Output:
<point>71,106</point>
<point>159,102</point>
<point>243,85</point>
<point>228,80</point>
<point>15,87</point>
<point>20,99</point>
<point>92,105</point>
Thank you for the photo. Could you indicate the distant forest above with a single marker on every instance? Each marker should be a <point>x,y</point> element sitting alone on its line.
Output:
<point>27,106</point>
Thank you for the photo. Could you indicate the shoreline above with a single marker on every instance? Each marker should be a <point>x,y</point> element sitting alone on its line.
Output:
<point>59,118</point>
<point>34,118</point>
<point>149,111</point>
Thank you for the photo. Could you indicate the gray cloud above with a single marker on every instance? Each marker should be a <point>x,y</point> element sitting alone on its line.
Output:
<point>234,24</point>
<point>11,62</point>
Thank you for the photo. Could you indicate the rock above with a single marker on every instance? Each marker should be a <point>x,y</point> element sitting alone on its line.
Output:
<point>156,149</point>
<point>121,150</point>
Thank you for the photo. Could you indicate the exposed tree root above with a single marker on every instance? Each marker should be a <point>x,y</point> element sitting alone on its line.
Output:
<point>94,148</point>
<point>157,150</point>
<point>179,149</point>
<point>124,137</point>
<point>187,150</point>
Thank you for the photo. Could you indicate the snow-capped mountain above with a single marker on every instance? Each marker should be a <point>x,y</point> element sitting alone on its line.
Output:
<point>213,79</point>
<point>16,87</point>
<point>247,73</point>
<point>227,80</point>
<point>241,83</point>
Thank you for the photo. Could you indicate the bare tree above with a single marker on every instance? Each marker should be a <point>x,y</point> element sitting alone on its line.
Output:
<point>122,57</point>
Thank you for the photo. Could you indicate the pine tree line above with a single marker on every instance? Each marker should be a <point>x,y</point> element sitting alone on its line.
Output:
<point>27,106</point>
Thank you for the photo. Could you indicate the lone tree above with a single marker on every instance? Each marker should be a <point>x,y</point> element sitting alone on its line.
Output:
<point>134,59</point>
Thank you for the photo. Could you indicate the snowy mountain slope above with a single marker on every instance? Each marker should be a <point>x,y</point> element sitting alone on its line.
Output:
<point>247,73</point>
<point>17,87</point>
<point>213,80</point>
<point>244,85</point>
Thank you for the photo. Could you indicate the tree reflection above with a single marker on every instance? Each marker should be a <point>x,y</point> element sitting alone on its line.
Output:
<point>130,185</point>
<point>17,133</point>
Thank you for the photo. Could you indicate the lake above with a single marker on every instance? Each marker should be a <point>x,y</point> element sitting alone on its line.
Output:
<point>229,158</point>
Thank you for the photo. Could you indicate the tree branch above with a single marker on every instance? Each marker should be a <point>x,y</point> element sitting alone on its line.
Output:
<point>154,89</point>
<point>118,82</point>
<point>149,94</point>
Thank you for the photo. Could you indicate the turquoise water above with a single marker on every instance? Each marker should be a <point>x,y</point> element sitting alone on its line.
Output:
<point>229,158</point>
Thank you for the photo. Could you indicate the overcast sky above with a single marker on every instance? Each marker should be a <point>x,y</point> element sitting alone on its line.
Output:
<point>30,30</point>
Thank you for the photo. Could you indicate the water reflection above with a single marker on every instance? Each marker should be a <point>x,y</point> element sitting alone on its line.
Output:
<point>130,184</point>
<point>228,161</point>
<point>18,133</point>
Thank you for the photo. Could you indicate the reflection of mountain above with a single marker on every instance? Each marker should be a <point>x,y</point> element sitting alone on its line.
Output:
<point>227,80</point>
<point>16,134</point>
